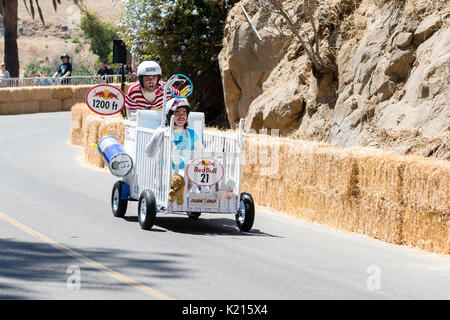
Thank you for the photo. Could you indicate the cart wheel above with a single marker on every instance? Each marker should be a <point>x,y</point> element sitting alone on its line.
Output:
<point>193,215</point>
<point>119,206</point>
<point>246,214</point>
<point>147,209</point>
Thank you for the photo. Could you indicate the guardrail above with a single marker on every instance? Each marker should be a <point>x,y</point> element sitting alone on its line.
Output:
<point>54,81</point>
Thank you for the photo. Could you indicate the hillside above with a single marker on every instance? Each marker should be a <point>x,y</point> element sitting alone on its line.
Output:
<point>389,90</point>
<point>61,33</point>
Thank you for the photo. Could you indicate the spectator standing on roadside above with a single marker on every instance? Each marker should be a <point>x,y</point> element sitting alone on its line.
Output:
<point>3,75</point>
<point>64,70</point>
<point>104,71</point>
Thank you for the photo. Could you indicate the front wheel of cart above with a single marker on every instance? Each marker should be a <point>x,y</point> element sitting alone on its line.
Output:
<point>118,205</point>
<point>246,213</point>
<point>193,215</point>
<point>147,209</point>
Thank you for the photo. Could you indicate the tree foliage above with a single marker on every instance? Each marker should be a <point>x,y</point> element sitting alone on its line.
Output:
<point>100,33</point>
<point>184,36</point>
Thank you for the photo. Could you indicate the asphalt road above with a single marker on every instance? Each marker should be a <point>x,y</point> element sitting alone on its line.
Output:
<point>59,240</point>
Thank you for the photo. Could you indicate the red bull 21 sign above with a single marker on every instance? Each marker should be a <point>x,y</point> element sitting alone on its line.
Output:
<point>205,171</point>
<point>105,99</point>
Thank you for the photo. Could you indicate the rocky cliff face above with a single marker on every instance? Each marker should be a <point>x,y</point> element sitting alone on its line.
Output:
<point>390,88</point>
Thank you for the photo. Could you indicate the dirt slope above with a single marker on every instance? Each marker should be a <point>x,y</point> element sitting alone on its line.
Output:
<point>61,33</point>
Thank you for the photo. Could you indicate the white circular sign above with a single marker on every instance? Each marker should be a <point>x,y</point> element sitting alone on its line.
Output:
<point>205,171</point>
<point>105,99</point>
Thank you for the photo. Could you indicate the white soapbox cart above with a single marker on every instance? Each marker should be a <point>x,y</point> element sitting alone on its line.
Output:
<point>212,177</point>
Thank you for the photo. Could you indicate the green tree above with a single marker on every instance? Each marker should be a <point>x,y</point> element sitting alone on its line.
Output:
<point>100,33</point>
<point>184,36</point>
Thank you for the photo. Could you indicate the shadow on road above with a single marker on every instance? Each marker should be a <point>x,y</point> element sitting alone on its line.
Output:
<point>29,270</point>
<point>180,223</point>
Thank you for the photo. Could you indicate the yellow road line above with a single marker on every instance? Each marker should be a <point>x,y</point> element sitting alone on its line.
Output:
<point>116,275</point>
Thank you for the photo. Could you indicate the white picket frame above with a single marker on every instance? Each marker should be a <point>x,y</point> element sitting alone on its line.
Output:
<point>156,173</point>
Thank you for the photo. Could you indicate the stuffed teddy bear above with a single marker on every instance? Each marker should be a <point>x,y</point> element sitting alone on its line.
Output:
<point>177,189</point>
<point>227,189</point>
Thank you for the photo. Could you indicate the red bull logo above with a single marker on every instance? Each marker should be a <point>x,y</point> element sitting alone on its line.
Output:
<point>105,99</point>
<point>206,163</point>
<point>105,94</point>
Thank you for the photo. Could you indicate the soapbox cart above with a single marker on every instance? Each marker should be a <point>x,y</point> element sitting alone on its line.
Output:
<point>212,177</point>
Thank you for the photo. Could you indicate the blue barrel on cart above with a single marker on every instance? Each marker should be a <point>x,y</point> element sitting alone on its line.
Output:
<point>118,161</point>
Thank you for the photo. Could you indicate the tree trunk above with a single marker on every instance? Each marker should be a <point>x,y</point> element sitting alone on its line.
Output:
<point>11,49</point>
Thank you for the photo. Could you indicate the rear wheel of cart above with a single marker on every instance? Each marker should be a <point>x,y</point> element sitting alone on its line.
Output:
<point>147,209</point>
<point>118,205</point>
<point>193,215</point>
<point>246,214</point>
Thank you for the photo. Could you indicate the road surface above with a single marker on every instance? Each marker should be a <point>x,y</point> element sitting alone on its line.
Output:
<point>59,240</point>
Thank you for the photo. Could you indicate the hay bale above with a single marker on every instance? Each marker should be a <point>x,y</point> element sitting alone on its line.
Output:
<point>427,230</point>
<point>5,95</point>
<point>77,127</point>
<point>380,218</point>
<point>11,108</point>
<point>93,134</point>
<point>426,185</point>
<point>61,92</point>
<point>79,92</point>
<point>398,199</point>
<point>67,104</point>
<point>21,94</point>
<point>50,105</point>
<point>380,175</point>
<point>40,93</point>
<point>114,126</point>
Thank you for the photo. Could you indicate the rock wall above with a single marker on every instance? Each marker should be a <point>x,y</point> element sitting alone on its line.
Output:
<point>390,90</point>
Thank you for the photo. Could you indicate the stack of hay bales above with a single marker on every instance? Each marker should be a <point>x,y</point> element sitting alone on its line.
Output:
<point>87,128</point>
<point>43,99</point>
<point>391,197</point>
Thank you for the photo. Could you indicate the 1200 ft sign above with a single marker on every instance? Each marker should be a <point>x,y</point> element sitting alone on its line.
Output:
<point>102,104</point>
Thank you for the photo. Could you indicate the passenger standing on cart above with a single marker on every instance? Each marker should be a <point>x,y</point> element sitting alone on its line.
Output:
<point>148,92</point>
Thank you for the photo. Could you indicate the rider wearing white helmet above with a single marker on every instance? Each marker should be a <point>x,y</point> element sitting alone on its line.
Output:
<point>148,92</point>
<point>184,138</point>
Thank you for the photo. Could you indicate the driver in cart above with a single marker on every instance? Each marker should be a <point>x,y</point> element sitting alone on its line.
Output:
<point>148,92</point>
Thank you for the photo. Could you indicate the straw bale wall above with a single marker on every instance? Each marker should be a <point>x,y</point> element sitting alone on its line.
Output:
<point>42,99</point>
<point>395,198</point>
<point>387,196</point>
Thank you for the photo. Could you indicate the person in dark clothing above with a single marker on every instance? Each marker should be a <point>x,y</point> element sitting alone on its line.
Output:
<point>104,71</point>
<point>64,70</point>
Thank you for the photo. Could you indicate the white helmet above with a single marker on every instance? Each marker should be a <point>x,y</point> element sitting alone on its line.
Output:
<point>175,103</point>
<point>149,68</point>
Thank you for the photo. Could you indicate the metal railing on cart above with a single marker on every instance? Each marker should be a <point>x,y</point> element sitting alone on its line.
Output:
<point>55,81</point>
